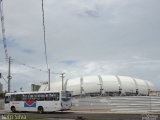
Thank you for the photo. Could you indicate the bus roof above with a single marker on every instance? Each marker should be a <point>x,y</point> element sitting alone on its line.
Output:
<point>33,92</point>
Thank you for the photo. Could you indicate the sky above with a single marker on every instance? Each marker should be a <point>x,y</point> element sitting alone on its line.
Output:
<point>83,37</point>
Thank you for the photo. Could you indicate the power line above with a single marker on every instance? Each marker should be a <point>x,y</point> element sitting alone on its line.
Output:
<point>3,28</point>
<point>4,79</point>
<point>29,66</point>
<point>33,67</point>
<point>44,36</point>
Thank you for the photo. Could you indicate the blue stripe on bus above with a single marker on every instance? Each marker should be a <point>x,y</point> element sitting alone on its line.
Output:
<point>30,105</point>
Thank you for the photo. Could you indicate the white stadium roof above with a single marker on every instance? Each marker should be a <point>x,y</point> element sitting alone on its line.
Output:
<point>109,83</point>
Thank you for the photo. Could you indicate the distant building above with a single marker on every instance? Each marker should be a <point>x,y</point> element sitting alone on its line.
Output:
<point>35,87</point>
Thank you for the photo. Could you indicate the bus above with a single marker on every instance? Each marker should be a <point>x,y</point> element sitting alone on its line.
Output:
<point>42,101</point>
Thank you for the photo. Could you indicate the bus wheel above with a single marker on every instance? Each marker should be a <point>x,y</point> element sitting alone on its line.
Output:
<point>13,109</point>
<point>40,109</point>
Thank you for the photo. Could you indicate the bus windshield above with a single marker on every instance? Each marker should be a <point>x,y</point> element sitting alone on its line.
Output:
<point>66,95</point>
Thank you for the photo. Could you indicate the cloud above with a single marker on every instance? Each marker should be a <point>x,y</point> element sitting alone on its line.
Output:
<point>89,13</point>
<point>83,37</point>
<point>29,51</point>
<point>69,62</point>
<point>25,75</point>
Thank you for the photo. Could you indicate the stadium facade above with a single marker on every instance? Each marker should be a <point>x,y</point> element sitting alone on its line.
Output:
<point>105,85</point>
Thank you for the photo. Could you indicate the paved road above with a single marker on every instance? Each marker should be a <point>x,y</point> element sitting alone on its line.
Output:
<point>74,115</point>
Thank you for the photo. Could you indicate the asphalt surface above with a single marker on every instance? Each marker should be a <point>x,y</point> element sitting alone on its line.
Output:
<point>81,115</point>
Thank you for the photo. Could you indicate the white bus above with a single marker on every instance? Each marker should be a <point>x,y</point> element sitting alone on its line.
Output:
<point>45,101</point>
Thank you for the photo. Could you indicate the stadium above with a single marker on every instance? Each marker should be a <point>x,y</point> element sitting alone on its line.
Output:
<point>104,85</point>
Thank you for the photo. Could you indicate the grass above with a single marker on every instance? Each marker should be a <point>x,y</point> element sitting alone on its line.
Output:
<point>81,118</point>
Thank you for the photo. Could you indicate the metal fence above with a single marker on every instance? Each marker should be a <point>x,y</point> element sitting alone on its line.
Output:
<point>118,104</point>
<point>114,104</point>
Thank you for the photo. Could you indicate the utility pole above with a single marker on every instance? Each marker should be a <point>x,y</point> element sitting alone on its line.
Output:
<point>101,89</point>
<point>9,74</point>
<point>49,80</point>
<point>62,75</point>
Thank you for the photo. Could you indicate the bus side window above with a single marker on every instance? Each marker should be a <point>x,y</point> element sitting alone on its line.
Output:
<point>13,97</point>
<point>31,97</point>
<point>50,96</point>
<point>47,97</point>
<point>38,97</point>
<point>41,97</point>
<point>18,97</point>
<point>7,99</point>
<point>35,97</point>
<point>69,95</point>
<point>24,97</point>
<point>56,96</point>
